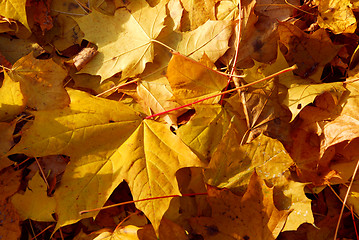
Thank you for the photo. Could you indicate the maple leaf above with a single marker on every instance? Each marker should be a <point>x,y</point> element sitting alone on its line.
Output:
<point>149,170</point>
<point>344,127</point>
<point>196,13</point>
<point>156,96</point>
<point>118,147</point>
<point>263,111</point>
<point>64,131</point>
<point>253,216</point>
<point>191,81</point>
<point>41,10</point>
<point>41,82</point>
<point>10,229</point>
<point>14,49</point>
<point>125,40</point>
<point>311,164</point>
<point>180,51</point>
<point>353,197</point>
<point>12,101</point>
<point>15,9</point>
<point>275,9</point>
<point>10,182</point>
<point>39,206</point>
<point>226,10</point>
<point>301,92</point>
<point>128,232</point>
<point>210,38</point>
<point>336,15</point>
<point>290,195</point>
<point>232,165</point>
<point>205,130</point>
<point>175,11</point>
<point>4,62</point>
<point>258,38</point>
<point>300,45</point>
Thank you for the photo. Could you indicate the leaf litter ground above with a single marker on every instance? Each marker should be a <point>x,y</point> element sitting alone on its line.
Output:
<point>155,107</point>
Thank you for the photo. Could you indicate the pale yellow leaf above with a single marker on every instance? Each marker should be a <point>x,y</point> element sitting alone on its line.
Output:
<point>125,40</point>
<point>300,95</point>
<point>156,94</point>
<point>210,38</point>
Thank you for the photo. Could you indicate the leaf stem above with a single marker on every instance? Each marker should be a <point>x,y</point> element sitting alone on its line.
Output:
<point>162,44</point>
<point>225,92</point>
<point>235,58</point>
<point>118,86</point>
<point>214,70</point>
<point>141,200</point>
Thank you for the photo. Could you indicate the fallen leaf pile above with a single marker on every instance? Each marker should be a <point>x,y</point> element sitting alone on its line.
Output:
<point>177,119</point>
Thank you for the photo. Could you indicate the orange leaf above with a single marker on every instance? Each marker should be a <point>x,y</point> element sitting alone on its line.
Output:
<point>253,216</point>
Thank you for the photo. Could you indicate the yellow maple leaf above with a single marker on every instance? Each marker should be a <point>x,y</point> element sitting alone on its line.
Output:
<point>107,143</point>
<point>15,9</point>
<point>232,165</point>
<point>125,40</point>
<point>191,81</point>
<point>41,82</point>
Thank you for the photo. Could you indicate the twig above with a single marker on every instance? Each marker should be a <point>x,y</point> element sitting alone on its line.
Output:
<point>345,200</point>
<point>225,92</point>
<point>141,200</point>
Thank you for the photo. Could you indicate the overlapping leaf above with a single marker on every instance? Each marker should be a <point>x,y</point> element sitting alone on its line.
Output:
<point>301,92</point>
<point>232,165</point>
<point>205,130</point>
<point>197,13</point>
<point>210,38</point>
<point>7,141</point>
<point>15,9</point>
<point>117,148</point>
<point>39,206</point>
<point>300,49</point>
<point>125,40</point>
<point>253,216</point>
<point>97,122</point>
<point>246,134</point>
<point>344,127</point>
<point>41,82</point>
<point>156,96</point>
<point>191,81</point>
<point>336,15</point>
<point>12,101</point>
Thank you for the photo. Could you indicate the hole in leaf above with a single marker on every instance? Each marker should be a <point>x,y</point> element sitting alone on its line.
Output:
<point>185,117</point>
<point>299,106</point>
